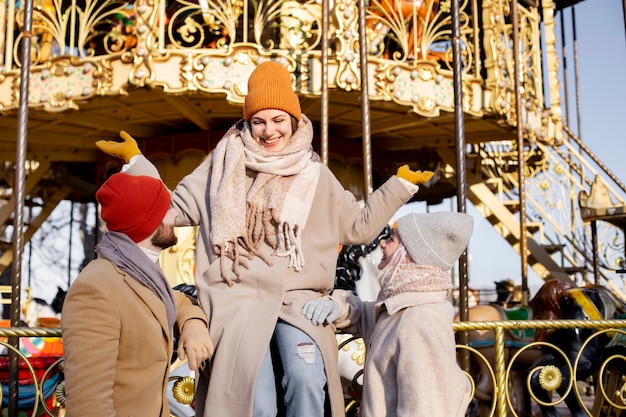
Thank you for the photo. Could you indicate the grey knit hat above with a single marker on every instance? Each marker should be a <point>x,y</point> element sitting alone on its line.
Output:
<point>435,239</point>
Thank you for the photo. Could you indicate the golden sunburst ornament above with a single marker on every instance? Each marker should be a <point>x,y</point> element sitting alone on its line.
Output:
<point>183,390</point>
<point>550,378</point>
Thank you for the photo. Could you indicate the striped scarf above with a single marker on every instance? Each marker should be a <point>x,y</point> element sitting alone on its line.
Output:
<point>273,210</point>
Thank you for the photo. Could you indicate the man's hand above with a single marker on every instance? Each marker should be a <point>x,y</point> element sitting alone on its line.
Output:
<point>320,311</point>
<point>414,177</point>
<point>195,343</point>
<point>123,150</point>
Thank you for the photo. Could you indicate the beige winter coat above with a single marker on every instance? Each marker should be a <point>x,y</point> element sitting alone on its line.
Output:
<point>117,345</point>
<point>410,364</point>
<point>242,317</point>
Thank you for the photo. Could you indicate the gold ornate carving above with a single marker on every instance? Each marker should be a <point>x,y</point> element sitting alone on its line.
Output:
<point>550,378</point>
<point>183,390</point>
<point>347,42</point>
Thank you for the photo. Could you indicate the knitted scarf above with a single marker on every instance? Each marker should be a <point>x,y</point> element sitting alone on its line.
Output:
<point>274,209</point>
<point>403,275</point>
<point>127,256</point>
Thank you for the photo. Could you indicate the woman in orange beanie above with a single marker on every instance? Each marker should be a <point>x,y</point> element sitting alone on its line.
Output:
<point>271,216</point>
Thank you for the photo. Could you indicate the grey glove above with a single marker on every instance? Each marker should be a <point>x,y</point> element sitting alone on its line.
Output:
<point>320,311</point>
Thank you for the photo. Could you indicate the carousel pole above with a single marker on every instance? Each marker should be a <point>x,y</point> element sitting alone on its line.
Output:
<point>459,128</point>
<point>19,192</point>
<point>365,104</point>
<point>517,73</point>
<point>324,109</point>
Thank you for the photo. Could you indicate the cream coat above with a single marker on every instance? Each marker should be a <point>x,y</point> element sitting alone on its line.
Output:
<point>116,344</point>
<point>242,317</point>
<point>410,365</point>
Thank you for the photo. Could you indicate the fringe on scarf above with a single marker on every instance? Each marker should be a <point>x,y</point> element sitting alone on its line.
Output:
<point>287,242</point>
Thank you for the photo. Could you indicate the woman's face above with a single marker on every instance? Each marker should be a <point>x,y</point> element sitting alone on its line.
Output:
<point>271,128</point>
<point>388,247</point>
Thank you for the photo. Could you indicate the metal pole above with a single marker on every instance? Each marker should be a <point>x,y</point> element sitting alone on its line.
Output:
<point>517,73</point>
<point>365,104</point>
<point>564,53</point>
<point>578,119</point>
<point>577,76</point>
<point>596,257</point>
<point>324,109</point>
<point>459,127</point>
<point>69,257</point>
<point>18,214</point>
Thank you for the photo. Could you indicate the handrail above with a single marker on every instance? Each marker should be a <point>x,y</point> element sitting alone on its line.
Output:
<point>595,159</point>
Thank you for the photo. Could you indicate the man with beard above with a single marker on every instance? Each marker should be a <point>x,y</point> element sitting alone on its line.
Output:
<point>120,316</point>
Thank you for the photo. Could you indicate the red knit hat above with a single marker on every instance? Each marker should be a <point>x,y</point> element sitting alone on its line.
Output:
<point>133,205</point>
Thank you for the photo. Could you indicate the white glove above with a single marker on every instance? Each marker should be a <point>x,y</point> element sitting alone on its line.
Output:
<point>320,311</point>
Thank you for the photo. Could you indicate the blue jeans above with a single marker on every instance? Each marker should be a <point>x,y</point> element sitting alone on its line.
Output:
<point>304,378</point>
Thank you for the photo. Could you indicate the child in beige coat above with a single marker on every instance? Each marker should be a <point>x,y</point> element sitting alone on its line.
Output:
<point>410,367</point>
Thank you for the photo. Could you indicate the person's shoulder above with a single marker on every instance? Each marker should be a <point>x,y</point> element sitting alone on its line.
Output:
<point>100,271</point>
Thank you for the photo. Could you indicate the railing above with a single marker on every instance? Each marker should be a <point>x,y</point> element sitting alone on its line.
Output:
<point>408,46</point>
<point>38,377</point>
<point>499,359</point>
<point>503,357</point>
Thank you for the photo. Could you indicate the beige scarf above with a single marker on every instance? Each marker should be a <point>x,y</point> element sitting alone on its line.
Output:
<point>403,275</point>
<point>275,208</point>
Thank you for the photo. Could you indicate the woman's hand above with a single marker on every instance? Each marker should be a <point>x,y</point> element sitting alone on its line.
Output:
<point>414,177</point>
<point>123,150</point>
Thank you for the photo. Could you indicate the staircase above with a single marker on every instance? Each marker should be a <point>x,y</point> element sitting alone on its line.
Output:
<point>568,194</point>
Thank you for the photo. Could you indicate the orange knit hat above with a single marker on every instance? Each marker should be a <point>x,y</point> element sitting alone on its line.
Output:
<point>269,87</point>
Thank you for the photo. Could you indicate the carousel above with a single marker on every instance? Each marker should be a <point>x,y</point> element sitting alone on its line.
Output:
<point>428,83</point>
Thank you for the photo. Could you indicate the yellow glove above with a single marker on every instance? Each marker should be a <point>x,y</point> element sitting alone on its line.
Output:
<point>195,343</point>
<point>414,177</point>
<point>123,150</point>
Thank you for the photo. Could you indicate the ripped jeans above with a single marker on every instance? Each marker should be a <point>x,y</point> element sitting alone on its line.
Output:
<point>304,378</point>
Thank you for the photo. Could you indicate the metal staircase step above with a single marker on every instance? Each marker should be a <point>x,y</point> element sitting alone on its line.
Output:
<point>534,227</point>
<point>551,249</point>
<point>571,270</point>
<point>512,205</point>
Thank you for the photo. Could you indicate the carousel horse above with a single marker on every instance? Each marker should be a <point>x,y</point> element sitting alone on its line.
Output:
<point>357,271</point>
<point>507,293</point>
<point>36,312</point>
<point>483,342</point>
<point>558,300</point>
